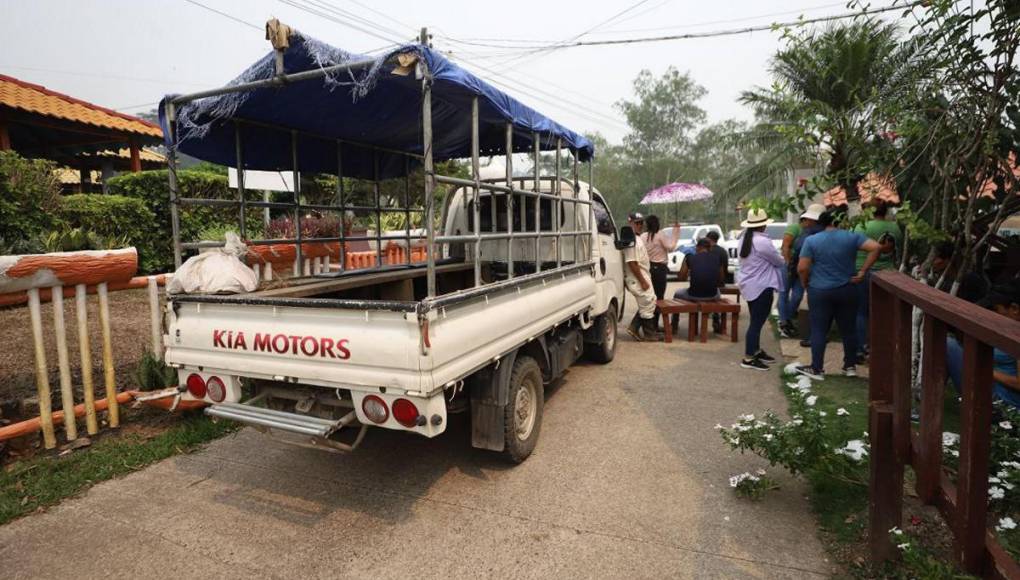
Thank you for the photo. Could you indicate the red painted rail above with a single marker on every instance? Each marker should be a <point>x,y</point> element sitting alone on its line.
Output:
<point>895,444</point>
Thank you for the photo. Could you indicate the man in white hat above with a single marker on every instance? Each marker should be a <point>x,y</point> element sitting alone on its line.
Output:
<point>792,295</point>
<point>639,282</point>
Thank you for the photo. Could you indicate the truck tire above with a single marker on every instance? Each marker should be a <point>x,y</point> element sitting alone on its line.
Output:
<point>522,419</point>
<point>604,350</point>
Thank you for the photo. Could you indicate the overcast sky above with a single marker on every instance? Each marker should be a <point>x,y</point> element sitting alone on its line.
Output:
<point>126,54</point>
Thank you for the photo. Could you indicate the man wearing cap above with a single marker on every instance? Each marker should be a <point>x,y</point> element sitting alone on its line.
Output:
<point>639,283</point>
<point>792,294</point>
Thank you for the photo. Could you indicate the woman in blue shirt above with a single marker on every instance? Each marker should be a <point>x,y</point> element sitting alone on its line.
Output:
<point>827,268</point>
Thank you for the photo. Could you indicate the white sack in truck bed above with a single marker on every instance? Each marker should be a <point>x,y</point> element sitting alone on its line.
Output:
<point>217,271</point>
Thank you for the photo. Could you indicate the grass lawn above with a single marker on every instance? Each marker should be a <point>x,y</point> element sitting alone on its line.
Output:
<point>842,507</point>
<point>45,480</point>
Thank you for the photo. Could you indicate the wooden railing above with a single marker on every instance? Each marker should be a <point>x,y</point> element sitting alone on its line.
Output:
<point>895,444</point>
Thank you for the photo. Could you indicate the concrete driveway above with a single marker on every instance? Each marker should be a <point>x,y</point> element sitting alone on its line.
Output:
<point>629,480</point>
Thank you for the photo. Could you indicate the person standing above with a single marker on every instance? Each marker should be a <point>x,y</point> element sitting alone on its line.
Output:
<point>889,236</point>
<point>761,276</point>
<point>793,293</point>
<point>826,269</point>
<point>659,244</point>
<point>638,281</point>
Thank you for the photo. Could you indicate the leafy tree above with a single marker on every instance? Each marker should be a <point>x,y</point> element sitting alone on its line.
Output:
<point>664,116</point>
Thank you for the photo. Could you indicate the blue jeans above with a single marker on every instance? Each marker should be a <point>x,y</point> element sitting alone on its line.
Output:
<point>759,309</point>
<point>863,311</point>
<point>954,368</point>
<point>790,298</point>
<point>824,306</point>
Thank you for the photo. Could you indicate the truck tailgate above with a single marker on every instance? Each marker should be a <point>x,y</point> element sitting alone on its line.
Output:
<point>331,347</point>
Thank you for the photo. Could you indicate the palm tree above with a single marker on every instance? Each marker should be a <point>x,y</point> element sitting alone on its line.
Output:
<point>825,101</point>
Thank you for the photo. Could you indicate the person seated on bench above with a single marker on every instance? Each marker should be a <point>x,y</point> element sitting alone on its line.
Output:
<point>703,270</point>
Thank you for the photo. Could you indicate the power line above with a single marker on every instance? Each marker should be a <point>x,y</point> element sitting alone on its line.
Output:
<point>731,32</point>
<point>318,10</point>
<point>725,21</point>
<point>225,15</point>
<point>96,75</point>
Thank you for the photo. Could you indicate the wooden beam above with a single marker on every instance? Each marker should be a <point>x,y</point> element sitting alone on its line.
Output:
<point>5,137</point>
<point>136,159</point>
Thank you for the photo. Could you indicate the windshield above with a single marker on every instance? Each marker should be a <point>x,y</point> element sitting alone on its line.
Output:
<point>775,231</point>
<point>687,232</point>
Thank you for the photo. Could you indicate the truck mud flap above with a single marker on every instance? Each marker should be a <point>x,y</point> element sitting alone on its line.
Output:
<point>489,388</point>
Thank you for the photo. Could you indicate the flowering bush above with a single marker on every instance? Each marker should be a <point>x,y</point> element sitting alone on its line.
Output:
<point>752,486</point>
<point>809,440</point>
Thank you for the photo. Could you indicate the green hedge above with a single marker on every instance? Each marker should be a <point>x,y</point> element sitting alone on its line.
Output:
<point>115,217</point>
<point>29,198</point>
<point>152,188</point>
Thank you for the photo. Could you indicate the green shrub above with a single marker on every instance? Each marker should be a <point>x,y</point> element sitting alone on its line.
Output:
<point>153,375</point>
<point>151,187</point>
<point>113,221</point>
<point>29,196</point>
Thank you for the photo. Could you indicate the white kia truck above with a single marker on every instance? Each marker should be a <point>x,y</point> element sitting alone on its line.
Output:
<point>522,275</point>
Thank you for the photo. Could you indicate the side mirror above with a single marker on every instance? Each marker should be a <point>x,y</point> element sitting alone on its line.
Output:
<point>626,239</point>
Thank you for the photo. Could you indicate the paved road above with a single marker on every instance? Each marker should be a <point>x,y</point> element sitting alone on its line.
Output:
<point>629,480</point>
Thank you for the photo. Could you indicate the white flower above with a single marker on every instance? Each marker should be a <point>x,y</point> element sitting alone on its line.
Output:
<point>822,413</point>
<point>1006,425</point>
<point>994,480</point>
<point>903,546</point>
<point>811,400</point>
<point>996,492</point>
<point>748,417</point>
<point>1008,486</point>
<point>842,412</point>
<point>798,421</point>
<point>761,472</point>
<point>717,426</point>
<point>767,436</point>
<point>855,449</point>
<point>895,531</point>
<point>949,439</point>
<point>1005,524</point>
<point>790,369</point>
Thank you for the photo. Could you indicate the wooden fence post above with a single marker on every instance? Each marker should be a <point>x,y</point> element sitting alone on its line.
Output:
<point>113,410</point>
<point>933,385</point>
<point>66,393</point>
<point>42,379</point>
<point>885,500</point>
<point>85,349</point>
<point>975,441</point>
<point>901,378</point>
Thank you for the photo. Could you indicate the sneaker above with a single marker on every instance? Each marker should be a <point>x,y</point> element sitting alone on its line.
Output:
<point>786,330</point>
<point>765,357</point>
<point>811,373</point>
<point>753,363</point>
<point>635,333</point>
<point>862,358</point>
<point>850,371</point>
<point>806,343</point>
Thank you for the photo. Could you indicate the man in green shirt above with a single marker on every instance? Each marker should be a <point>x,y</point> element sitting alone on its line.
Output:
<point>888,234</point>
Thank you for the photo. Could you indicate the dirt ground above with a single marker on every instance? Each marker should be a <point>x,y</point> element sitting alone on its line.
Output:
<point>129,327</point>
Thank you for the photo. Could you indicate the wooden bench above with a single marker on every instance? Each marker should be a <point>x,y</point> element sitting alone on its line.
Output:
<point>732,290</point>
<point>723,307</point>
<point>677,307</point>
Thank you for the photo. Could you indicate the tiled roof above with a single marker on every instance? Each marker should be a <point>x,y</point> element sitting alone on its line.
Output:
<point>18,94</point>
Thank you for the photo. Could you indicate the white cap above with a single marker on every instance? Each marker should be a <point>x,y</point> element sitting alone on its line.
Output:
<point>813,211</point>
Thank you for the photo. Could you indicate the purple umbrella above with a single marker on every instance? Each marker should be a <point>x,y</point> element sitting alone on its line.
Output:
<point>677,193</point>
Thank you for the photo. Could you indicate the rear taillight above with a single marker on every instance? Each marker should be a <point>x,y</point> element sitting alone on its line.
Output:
<point>196,386</point>
<point>405,412</point>
<point>216,389</point>
<point>375,409</point>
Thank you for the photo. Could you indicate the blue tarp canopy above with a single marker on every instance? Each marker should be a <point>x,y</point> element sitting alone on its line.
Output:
<point>372,106</point>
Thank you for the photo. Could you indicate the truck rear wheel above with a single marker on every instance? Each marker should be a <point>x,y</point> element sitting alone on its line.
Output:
<point>604,350</point>
<point>523,413</point>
